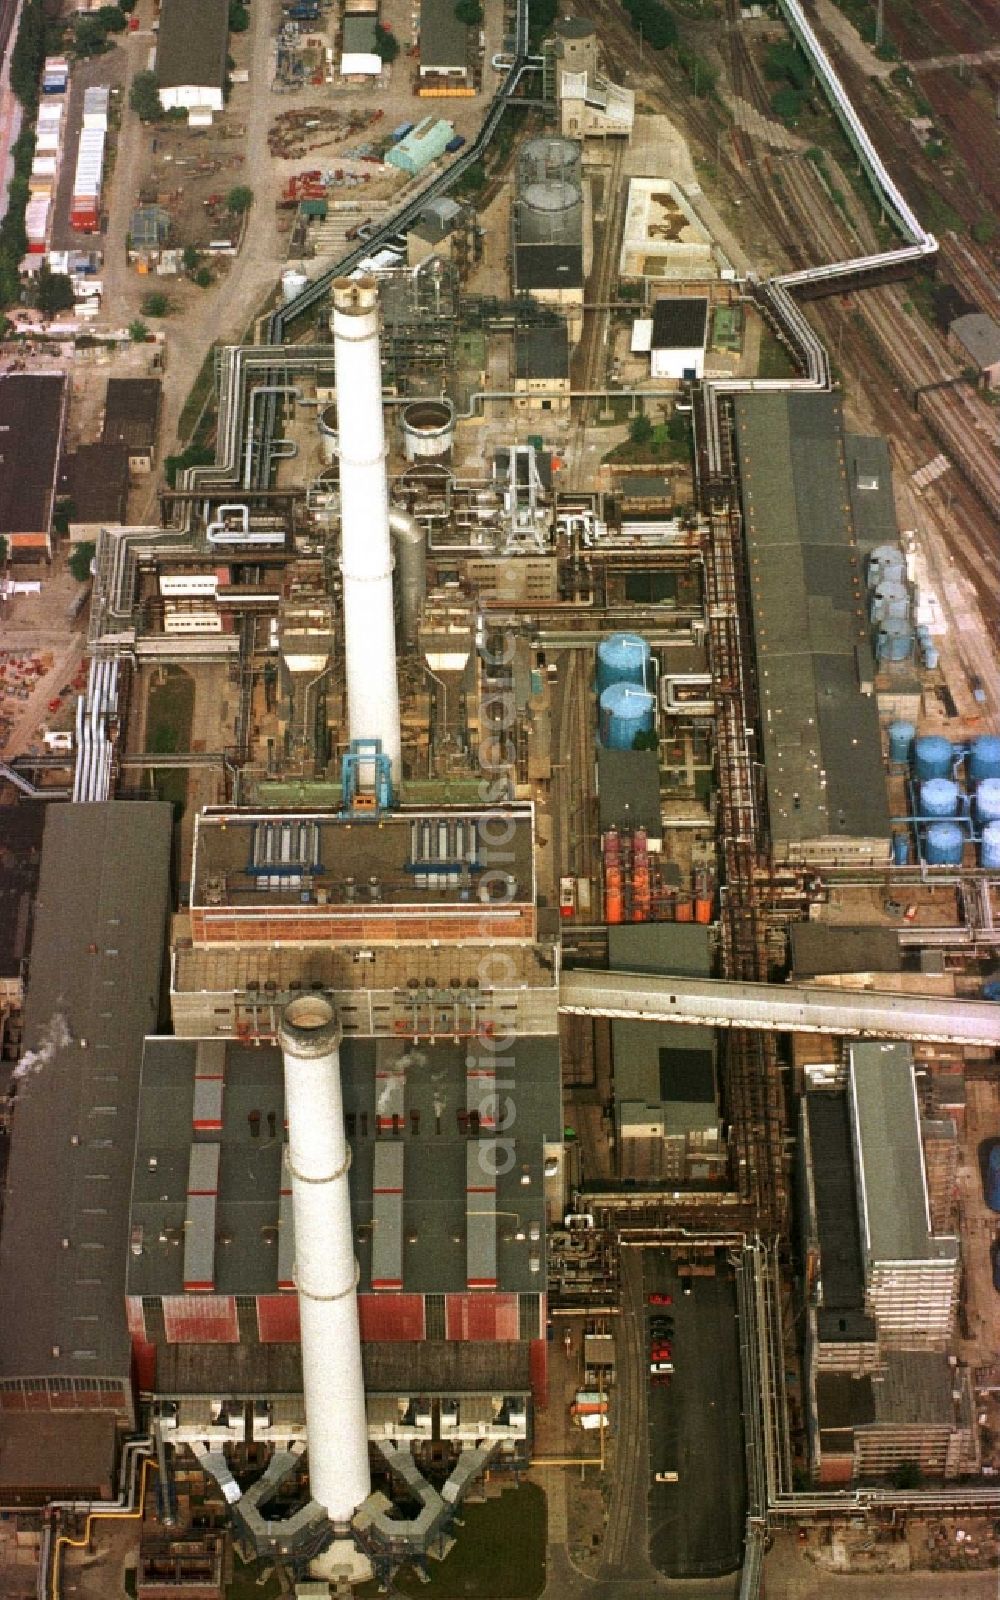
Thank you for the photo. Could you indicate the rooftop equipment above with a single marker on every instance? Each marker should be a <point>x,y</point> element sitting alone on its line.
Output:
<point>901,741</point>
<point>894,640</point>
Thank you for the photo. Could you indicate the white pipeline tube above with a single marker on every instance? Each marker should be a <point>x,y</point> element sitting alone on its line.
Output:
<point>325,1270</point>
<point>366,554</point>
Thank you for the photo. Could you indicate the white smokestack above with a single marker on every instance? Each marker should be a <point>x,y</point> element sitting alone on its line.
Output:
<point>325,1270</point>
<point>366,553</point>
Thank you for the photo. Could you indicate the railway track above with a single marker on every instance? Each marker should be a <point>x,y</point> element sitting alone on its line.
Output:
<point>630,1405</point>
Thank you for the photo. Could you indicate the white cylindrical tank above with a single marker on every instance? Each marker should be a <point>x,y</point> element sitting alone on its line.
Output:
<point>428,429</point>
<point>293,281</point>
<point>366,554</point>
<point>325,1270</point>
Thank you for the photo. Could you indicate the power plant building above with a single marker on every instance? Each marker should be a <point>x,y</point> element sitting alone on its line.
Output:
<point>552,227</point>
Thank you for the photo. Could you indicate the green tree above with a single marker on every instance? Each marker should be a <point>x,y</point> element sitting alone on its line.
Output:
<point>786,61</point>
<point>239,17</point>
<point>386,43</point>
<point>983,230</point>
<point>144,97</point>
<point>470,12</point>
<point>138,331</point>
<point>54,292</point>
<point>640,429</point>
<point>678,427</point>
<point>28,54</point>
<point>80,559</point>
<point>196,455</point>
<point>474,178</point>
<point>90,37</point>
<point>112,19</point>
<point>190,257</point>
<point>239,200</point>
<point>203,278</point>
<point>156,304</point>
<point>787,104</point>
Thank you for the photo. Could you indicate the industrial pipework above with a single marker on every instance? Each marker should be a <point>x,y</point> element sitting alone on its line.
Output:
<point>325,1269</point>
<point>366,552</point>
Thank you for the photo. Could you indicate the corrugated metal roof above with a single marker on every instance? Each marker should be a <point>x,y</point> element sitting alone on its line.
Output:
<point>387,1216</point>
<point>192,43</point>
<point>481,1213</point>
<point>199,1222</point>
<point>31,427</point>
<point>286,1229</point>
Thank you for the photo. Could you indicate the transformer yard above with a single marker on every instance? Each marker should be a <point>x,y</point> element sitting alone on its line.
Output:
<point>500,931</point>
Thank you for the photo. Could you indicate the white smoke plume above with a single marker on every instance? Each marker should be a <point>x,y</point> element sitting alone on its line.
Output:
<point>55,1036</point>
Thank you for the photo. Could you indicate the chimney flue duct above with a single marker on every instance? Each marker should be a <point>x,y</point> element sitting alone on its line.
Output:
<point>366,552</point>
<point>325,1269</point>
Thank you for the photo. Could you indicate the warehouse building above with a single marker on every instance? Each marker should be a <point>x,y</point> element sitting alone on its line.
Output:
<point>819,724</point>
<point>94,482</point>
<point>552,227</point>
<point>132,419</point>
<point>191,51</point>
<point>444,44</point>
<point>424,144</point>
<point>93,993</point>
<point>541,369</point>
<point>32,423</point>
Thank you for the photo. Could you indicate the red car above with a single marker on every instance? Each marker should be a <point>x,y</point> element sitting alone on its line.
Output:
<point>661,1300</point>
<point>661,1352</point>
<point>660,1380</point>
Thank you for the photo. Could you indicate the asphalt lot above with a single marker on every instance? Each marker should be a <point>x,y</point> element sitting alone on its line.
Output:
<point>696,1525</point>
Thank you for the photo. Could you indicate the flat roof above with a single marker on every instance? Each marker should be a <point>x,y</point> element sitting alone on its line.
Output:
<point>132,412</point>
<point>680,323</point>
<point>894,1214</point>
<point>548,266</point>
<point>663,238</point>
<point>192,44</point>
<point>54,1450</point>
<point>21,829</point>
<point>828,1126</point>
<point>32,417</point>
<point>914,1387</point>
<point>542,352</point>
<point>628,790</point>
<point>93,993</point>
<point>830,947</point>
<point>444,39</point>
<point>95,479</point>
<point>428,1086</point>
<point>869,479</point>
<point>682,948</point>
<point>452,1367</point>
<point>819,731</point>
<point>979,335</point>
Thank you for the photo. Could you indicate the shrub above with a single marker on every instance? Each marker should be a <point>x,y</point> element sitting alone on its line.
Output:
<point>144,97</point>
<point>156,304</point>
<point>79,561</point>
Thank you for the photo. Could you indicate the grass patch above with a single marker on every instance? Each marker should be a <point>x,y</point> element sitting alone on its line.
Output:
<point>774,362</point>
<point>499,1554</point>
<point>196,401</point>
<point>244,1586</point>
<point>660,448</point>
<point>169,712</point>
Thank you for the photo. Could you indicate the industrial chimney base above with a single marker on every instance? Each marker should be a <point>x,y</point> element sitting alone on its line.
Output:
<point>342,1565</point>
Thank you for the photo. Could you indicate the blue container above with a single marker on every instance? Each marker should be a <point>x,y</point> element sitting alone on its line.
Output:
<point>626,710</point>
<point>939,798</point>
<point>901,740</point>
<point>933,757</point>
<point>944,844</point>
<point>929,656</point>
<point>991,989</point>
<point>988,800</point>
<point>984,758</point>
<point>993,1179</point>
<point>886,563</point>
<point>889,599</point>
<point>900,849</point>
<point>894,640</point>
<point>991,845</point>
<point>622,658</point>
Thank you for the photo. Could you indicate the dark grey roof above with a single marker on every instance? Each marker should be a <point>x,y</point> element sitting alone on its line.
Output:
<point>55,1452</point>
<point>543,352</point>
<point>359,36</point>
<point>822,746</point>
<point>843,1402</point>
<point>979,336</point>
<point>548,266</point>
<point>827,1121</point>
<point>426,1367</point>
<point>31,428</point>
<point>915,1387</point>
<point>681,948</point>
<point>680,323</point>
<point>434,1219</point>
<point>192,44</point>
<point>21,828</point>
<point>437,220</point>
<point>628,790</point>
<point>95,479</point>
<point>132,412</point>
<point>895,1222</point>
<point>444,40</point>
<point>573,28</point>
<point>93,993</point>
<point>869,479</point>
<point>828,947</point>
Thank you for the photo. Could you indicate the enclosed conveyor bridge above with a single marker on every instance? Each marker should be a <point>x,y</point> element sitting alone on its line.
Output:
<point>779,1007</point>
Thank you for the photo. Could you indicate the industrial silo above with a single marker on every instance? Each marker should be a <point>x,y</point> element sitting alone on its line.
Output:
<point>886,563</point>
<point>984,758</point>
<point>540,160</point>
<point>550,211</point>
<point>894,640</point>
<point>991,845</point>
<point>988,800</point>
<point>293,281</point>
<point>890,598</point>
<point>428,429</point>
<point>622,658</point>
<point>944,844</point>
<point>933,757</point>
<point>939,798</point>
<point>626,710</point>
<point>901,735</point>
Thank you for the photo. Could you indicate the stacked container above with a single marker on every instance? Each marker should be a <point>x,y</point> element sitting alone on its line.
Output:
<point>84,214</point>
<point>95,107</point>
<point>36,224</point>
<point>55,75</point>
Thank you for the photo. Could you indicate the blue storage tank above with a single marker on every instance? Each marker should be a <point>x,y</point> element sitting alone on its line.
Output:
<point>939,798</point>
<point>900,849</point>
<point>626,710</point>
<point>944,844</point>
<point>984,758</point>
<point>993,1179</point>
<point>886,562</point>
<point>988,800</point>
<point>889,599</point>
<point>991,989</point>
<point>991,845</point>
<point>622,658</point>
<point>894,640</point>
<point>901,736</point>
<point>933,757</point>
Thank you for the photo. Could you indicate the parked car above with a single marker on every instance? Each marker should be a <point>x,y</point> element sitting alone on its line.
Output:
<point>661,1299</point>
<point>661,1380</point>
<point>668,1477</point>
<point>661,1366</point>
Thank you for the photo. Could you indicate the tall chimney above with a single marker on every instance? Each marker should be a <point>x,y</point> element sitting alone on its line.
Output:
<point>366,553</point>
<point>325,1270</point>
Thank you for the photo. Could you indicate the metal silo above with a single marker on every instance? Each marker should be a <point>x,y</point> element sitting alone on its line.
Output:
<point>901,736</point>
<point>622,658</point>
<point>991,845</point>
<point>886,563</point>
<point>939,798</point>
<point>626,710</point>
<point>984,758</point>
<point>889,598</point>
<point>933,757</point>
<point>944,844</point>
<point>988,800</point>
<point>894,640</point>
